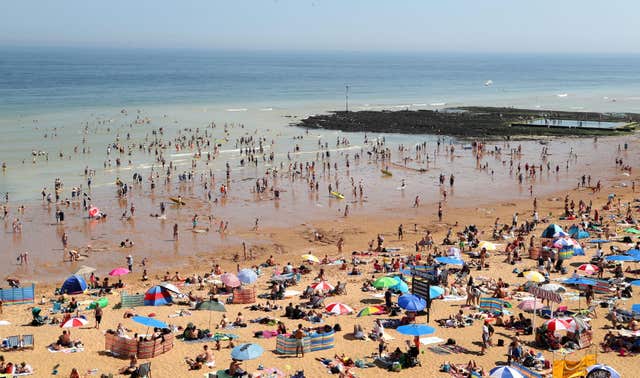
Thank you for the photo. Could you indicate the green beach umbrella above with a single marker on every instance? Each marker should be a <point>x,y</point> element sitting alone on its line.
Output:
<point>211,306</point>
<point>384,282</point>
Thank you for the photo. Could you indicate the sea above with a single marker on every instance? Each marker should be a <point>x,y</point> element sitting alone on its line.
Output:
<point>48,95</point>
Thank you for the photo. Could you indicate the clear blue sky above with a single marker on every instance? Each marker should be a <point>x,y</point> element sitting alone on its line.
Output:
<point>404,25</point>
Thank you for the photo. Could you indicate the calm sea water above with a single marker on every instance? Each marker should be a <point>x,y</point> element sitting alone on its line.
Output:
<point>47,91</point>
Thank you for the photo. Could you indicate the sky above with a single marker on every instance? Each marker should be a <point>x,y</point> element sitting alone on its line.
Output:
<point>567,26</point>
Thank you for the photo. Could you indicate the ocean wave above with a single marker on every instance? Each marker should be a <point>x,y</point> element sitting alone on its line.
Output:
<point>562,95</point>
<point>438,104</point>
<point>266,109</point>
<point>237,110</point>
<point>418,105</point>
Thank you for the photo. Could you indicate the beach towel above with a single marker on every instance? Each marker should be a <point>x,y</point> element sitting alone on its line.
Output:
<point>430,340</point>
<point>451,298</point>
<point>525,371</point>
<point>66,350</point>
<point>492,304</point>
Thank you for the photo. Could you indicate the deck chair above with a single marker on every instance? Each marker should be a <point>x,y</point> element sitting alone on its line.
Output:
<point>57,308</point>
<point>340,289</point>
<point>144,370</point>
<point>27,342</point>
<point>12,343</point>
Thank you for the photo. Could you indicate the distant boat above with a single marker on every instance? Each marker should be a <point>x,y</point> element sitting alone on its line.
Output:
<point>488,83</point>
<point>562,95</point>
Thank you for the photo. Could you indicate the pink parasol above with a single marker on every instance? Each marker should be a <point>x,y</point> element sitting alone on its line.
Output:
<point>230,280</point>
<point>119,272</point>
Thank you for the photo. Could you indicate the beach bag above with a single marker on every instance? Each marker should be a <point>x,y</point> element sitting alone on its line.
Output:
<point>451,341</point>
<point>337,328</point>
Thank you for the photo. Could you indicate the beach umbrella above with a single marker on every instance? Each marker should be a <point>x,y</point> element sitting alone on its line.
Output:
<point>322,286</point>
<point>556,288</point>
<point>400,285</point>
<point>230,280</point>
<point>384,282</point>
<point>453,251</point>
<point>557,325</point>
<point>245,352</point>
<point>632,230</point>
<point>74,323</point>
<point>588,269</point>
<point>84,270</point>
<point>157,296</point>
<point>560,234</point>
<point>635,283</point>
<point>247,276</point>
<point>416,330</point>
<point>412,302</point>
<point>620,258</point>
<point>149,322</point>
<point>338,309</point>
<point>311,258</point>
<point>530,305</point>
<point>372,310</point>
<point>449,261</point>
<point>119,272</point>
<point>564,242</point>
<point>171,287</point>
<point>211,306</point>
<point>551,230</point>
<point>93,211</point>
<point>487,245</point>
<point>533,276</point>
<point>505,372</point>
<point>435,292</point>
<point>580,281</point>
<point>605,368</point>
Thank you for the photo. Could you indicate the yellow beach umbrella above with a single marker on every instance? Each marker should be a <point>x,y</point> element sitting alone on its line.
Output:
<point>487,245</point>
<point>534,276</point>
<point>310,257</point>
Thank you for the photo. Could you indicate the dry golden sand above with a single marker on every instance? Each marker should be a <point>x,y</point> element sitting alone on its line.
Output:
<point>291,244</point>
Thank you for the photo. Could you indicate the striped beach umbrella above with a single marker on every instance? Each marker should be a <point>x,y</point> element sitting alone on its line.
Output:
<point>588,269</point>
<point>612,373</point>
<point>338,309</point>
<point>157,296</point>
<point>74,323</point>
<point>322,287</point>
<point>371,310</point>
<point>557,325</point>
<point>505,372</point>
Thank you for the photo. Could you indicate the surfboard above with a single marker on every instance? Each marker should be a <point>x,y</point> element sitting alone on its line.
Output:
<point>386,173</point>
<point>337,195</point>
<point>176,200</point>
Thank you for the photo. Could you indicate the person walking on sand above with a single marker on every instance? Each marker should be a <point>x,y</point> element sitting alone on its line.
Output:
<point>97,312</point>
<point>175,232</point>
<point>400,232</point>
<point>299,336</point>
<point>65,240</point>
<point>439,211</point>
<point>416,202</point>
<point>340,244</point>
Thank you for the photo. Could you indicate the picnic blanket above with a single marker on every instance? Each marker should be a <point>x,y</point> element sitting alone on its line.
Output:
<point>448,349</point>
<point>216,337</point>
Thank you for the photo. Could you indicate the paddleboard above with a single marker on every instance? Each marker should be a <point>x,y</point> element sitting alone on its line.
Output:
<point>386,173</point>
<point>337,195</point>
<point>176,200</point>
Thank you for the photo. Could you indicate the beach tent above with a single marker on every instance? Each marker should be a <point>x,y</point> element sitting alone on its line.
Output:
<point>157,296</point>
<point>74,285</point>
<point>551,230</point>
<point>577,233</point>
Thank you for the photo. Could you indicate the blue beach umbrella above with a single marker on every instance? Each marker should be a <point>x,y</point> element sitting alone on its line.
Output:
<point>400,286</point>
<point>245,352</point>
<point>449,260</point>
<point>247,276</point>
<point>416,329</point>
<point>620,258</point>
<point>435,291</point>
<point>411,302</point>
<point>149,322</point>
<point>505,372</point>
<point>635,283</point>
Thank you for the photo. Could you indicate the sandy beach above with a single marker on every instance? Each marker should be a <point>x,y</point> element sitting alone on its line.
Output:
<point>294,225</point>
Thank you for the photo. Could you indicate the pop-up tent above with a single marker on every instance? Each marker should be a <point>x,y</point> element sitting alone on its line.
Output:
<point>74,285</point>
<point>157,296</point>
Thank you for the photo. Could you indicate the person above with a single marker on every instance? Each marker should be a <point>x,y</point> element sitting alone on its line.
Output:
<point>130,263</point>
<point>97,312</point>
<point>358,332</point>
<point>387,299</point>
<point>299,336</point>
<point>485,337</point>
<point>74,373</point>
<point>24,368</point>
<point>382,345</point>
<point>235,369</point>
<point>132,368</point>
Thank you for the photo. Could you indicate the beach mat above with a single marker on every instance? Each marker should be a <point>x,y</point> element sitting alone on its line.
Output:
<point>430,340</point>
<point>66,350</point>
